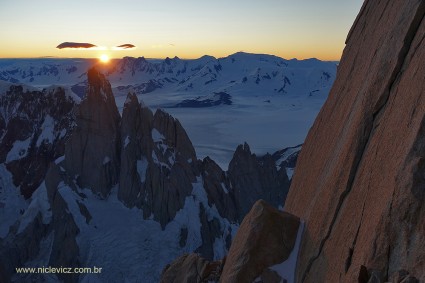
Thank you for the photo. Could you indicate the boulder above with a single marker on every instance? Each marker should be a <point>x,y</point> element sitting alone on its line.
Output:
<point>191,269</point>
<point>265,238</point>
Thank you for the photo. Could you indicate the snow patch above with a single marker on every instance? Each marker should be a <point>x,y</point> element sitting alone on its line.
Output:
<point>220,250</point>
<point>47,131</point>
<point>162,147</point>
<point>157,136</point>
<point>156,160</point>
<point>62,133</point>
<point>126,141</point>
<point>103,94</point>
<point>290,172</point>
<point>106,160</point>
<point>19,150</point>
<point>172,159</point>
<point>286,269</point>
<point>223,186</point>
<point>59,159</point>
<point>142,166</point>
<point>128,99</point>
<point>288,152</point>
<point>39,204</point>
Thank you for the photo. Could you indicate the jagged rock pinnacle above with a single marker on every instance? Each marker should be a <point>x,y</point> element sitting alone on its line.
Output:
<point>92,152</point>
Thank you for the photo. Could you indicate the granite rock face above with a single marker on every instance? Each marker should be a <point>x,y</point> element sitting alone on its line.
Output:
<point>158,162</point>
<point>174,134</point>
<point>136,128</point>
<point>92,152</point>
<point>252,178</point>
<point>173,170</point>
<point>217,185</point>
<point>359,182</point>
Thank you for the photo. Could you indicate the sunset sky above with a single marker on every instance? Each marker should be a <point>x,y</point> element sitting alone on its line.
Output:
<point>186,28</point>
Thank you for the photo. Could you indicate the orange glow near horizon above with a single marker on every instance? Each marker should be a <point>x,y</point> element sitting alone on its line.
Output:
<point>289,52</point>
<point>104,58</point>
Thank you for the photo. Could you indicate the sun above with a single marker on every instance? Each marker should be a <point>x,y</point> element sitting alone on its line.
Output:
<point>104,58</point>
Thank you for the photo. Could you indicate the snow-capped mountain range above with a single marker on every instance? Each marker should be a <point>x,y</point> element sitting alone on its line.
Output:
<point>239,71</point>
<point>218,100</point>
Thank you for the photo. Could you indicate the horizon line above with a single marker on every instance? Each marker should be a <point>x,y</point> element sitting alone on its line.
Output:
<point>164,58</point>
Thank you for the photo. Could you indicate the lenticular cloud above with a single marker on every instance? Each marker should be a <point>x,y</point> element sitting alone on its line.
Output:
<point>126,46</point>
<point>75,45</point>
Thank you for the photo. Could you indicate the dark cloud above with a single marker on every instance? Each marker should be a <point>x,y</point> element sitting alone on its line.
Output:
<point>75,45</point>
<point>126,46</point>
